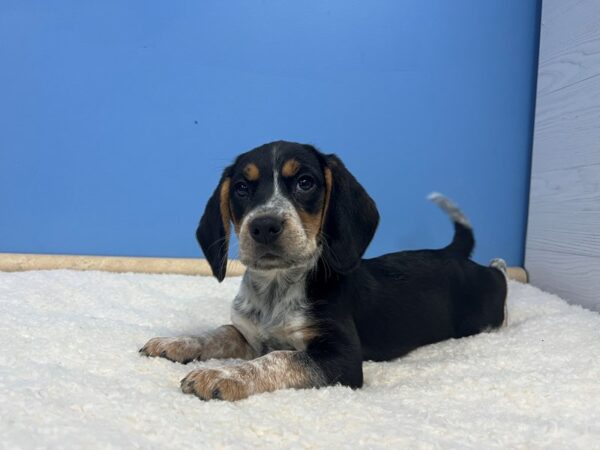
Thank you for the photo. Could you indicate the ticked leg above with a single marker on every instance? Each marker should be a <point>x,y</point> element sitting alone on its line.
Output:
<point>326,362</point>
<point>221,343</point>
<point>280,369</point>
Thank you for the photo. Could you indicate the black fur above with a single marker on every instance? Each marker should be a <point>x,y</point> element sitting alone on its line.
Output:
<point>350,221</point>
<point>367,309</point>
<point>211,233</point>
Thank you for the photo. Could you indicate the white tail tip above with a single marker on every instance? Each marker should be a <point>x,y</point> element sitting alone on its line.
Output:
<point>449,207</point>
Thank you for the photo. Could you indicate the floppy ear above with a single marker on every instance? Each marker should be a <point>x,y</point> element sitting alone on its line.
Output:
<point>215,228</point>
<point>350,217</point>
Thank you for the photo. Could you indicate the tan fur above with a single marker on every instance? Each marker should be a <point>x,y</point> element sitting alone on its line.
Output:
<point>225,209</point>
<point>251,172</point>
<point>277,370</point>
<point>290,168</point>
<point>301,335</point>
<point>328,187</point>
<point>226,214</point>
<point>310,222</point>
<point>224,342</point>
<point>313,223</point>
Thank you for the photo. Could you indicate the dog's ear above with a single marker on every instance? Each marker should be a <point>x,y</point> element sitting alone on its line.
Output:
<point>350,217</point>
<point>215,227</point>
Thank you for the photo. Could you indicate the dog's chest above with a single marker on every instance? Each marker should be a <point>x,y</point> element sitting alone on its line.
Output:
<point>272,317</point>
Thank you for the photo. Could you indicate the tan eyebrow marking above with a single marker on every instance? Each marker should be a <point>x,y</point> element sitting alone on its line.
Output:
<point>290,168</point>
<point>251,172</point>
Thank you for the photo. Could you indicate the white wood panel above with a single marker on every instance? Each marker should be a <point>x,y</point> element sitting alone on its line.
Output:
<point>567,123</point>
<point>575,187</point>
<point>570,51</point>
<point>563,236</point>
<point>579,276</point>
<point>571,235</point>
<point>568,107</point>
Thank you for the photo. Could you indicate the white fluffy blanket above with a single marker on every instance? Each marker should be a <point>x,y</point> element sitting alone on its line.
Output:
<point>71,376</point>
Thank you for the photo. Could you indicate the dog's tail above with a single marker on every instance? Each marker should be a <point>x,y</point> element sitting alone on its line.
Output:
<point>463,242</point>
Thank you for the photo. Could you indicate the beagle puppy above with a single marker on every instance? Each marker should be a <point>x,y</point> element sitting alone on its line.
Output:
<point>309,309</point>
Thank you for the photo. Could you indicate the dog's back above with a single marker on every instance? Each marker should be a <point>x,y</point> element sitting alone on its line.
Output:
<point>404,300</point>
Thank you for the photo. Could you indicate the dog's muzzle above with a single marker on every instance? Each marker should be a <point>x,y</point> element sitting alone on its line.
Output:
<point>266,230</point>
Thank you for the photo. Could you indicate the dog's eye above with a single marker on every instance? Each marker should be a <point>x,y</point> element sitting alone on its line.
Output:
<point>241,189</point>
<point>305,183</point>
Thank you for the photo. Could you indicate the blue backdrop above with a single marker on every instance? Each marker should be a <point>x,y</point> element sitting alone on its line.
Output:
<point>116,118</point>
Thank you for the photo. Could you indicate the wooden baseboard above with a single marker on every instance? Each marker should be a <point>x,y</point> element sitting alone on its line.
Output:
<point>518,274</point>
<point>17,262</point>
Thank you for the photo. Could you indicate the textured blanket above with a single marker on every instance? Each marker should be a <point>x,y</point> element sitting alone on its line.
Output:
<point>71,376</point>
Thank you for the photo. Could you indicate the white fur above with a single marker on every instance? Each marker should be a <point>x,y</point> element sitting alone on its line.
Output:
<point>450,208</point>
<point>279,318</point>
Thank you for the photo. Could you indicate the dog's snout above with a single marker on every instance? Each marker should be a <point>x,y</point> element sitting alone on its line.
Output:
<point>266,230</point>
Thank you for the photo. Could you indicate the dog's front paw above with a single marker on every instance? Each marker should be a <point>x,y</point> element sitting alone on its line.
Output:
<point>209,384</point>
<point>182,349</point>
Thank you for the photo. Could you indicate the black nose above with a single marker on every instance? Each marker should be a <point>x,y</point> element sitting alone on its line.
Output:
<point>266,230</point>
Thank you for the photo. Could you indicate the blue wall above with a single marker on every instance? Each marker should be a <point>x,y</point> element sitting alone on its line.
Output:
<point>116,118</point>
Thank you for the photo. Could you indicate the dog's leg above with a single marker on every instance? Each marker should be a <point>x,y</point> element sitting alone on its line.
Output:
<point>323,364</point>
<point>280,369</point>
<point>224,342</point>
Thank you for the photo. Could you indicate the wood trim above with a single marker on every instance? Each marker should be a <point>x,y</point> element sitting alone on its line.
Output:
<point>18,262</point>
<point>518,274</point>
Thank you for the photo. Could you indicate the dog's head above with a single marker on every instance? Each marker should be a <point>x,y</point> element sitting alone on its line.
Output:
<point>289,204</point>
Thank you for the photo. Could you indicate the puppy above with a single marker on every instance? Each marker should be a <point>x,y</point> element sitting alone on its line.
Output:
<point>309,310</point>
